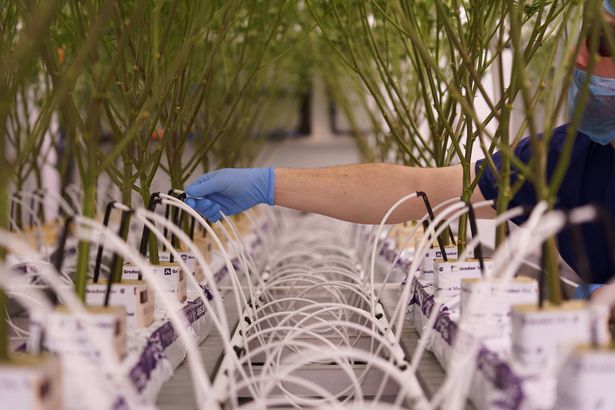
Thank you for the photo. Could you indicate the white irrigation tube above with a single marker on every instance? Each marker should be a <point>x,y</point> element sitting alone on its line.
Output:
<point>31,299</point>
<point>96,395</point>
<point>237,246</point>
<point>243,248</point>
<point>61,201</point>
<point>398,256</point>
<point>108,357</point>
<point>293,332</point>
<point>385,218</point>
<point>522,238</point>
<point>400,308</point>
<point>240,298</point>
<point>336,308</point>
<point>433,315</point>
<point>270,366</point>
<point>257,228</point>
<point>23,291</point>
<point>218,315</point>
<point>312,280</point>
<point>320,308</point>
<point>419,390</point>
<point>550,225</point>
<point>238,293</point>
<point>295,361</point>
<point>202,386</point>
<point>394,355</point>
<point>470,245</point>
<point>275,402</point>
<point>311,305</point>
<point>312,284</point>
<point>409,237</point>
<point>317,391</point>
<point>419,222</point>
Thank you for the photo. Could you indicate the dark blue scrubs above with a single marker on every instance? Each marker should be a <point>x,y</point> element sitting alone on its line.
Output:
<point>590,178</point>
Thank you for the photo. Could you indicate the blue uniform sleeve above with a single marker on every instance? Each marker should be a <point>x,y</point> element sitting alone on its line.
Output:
<point>488,183</point>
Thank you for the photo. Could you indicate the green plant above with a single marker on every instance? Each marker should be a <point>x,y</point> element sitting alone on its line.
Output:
<point>23,28</point>
<point>424,63</point>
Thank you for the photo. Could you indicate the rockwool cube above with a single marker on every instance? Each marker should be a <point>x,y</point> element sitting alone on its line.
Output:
<point>31,382</point>
<point>135,296</point>
<point>172,277</point>
<point>448,274</point>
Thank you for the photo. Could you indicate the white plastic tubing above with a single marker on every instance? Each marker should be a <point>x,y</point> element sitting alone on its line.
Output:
<point>109,360</point>
<point>91,230</point>
<point>538,228</point>
<point>314,289</point>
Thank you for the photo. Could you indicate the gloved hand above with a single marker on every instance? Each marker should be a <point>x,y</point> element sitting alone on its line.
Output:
<point>230,190</point>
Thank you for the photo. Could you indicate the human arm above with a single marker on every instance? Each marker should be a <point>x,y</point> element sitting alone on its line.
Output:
<point>358,193</point>
<point>363,193</point>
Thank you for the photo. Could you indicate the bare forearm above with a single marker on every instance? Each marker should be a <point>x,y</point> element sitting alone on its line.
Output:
<point>363,193</point>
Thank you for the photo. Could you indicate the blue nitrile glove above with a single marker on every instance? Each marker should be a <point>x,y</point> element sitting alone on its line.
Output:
<point>585,290</point>
<point>230,190</point>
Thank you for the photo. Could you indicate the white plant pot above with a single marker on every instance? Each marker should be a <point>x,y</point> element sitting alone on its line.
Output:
<point>76,340</point>
<point>172,276</point>
<point>539,335</point>
<point>31,382</point>
<point>135,296</point>
<point>67,335</point>
<point>587,380</point>
<point>493,321</point>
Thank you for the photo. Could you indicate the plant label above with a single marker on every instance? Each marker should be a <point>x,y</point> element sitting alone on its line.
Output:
<point>134,296</point>
<point>431,254</point>
<point>448,274</point>
<point>31,382</point>
<point>190,260</point>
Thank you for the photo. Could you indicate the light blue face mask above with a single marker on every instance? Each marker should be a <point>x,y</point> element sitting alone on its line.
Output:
<point>598,119</point>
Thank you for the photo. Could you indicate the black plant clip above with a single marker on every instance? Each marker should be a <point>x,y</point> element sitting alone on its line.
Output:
<point>125,220</point>
<point>478,248</point>
<point>432,216</point>
<point>154,200</point>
